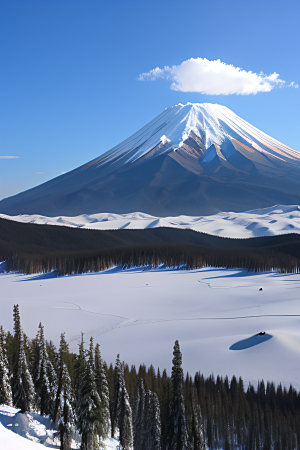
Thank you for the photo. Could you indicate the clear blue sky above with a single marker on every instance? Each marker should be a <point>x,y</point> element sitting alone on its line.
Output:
<point>69,73</point>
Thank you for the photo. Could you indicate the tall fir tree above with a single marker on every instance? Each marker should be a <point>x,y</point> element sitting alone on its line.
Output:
<point>22,384</point>
<point>196,433</point>
<point>178,436</point>
<point>115,398</point>
<point>165,401</point>
<point>88,404</point>
<point>152,423</point>
<point>5,388</point>
<point>122,413</point>
<point>139,417</point>
<point>79,369</point>
<point>63,413</point>
<point>43,374</point>
<point>103,391</point>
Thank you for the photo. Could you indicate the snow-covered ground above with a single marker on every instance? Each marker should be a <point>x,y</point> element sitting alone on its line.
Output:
<point>31,426</point>
<point>12,441</point>
<point>215,314</point>
<point>30,431</point>
<point>278,219</point>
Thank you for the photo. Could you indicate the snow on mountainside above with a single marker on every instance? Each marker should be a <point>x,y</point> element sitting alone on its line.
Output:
<point>208,124</point>
<point>193,159</point>
<point>271,221</point>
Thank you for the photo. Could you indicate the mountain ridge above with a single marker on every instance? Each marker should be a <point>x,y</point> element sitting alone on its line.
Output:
<point>194,159</point>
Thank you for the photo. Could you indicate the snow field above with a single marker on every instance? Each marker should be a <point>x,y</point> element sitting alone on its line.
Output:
<point>140,313</point>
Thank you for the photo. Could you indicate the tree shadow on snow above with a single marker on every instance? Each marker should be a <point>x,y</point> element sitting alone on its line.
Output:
<point>43,276</point>
<point>239,273</point>
<point>256,339</point>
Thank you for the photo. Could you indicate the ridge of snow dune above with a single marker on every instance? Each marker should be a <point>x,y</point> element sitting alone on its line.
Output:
<point>211,123</point>
<point>275,220</point>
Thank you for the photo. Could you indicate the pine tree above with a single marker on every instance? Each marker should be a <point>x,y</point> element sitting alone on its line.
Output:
<point>79,374</point>
<point>89,404</point>
<point>63,414</point>
<point>43,374</point>
<point>122,414</point>
<point>165,409</point>
<point>152,423</point>
<point>22,385</point>
<point>178,438</point>
<point>197,438</point>
<point>125,419</point>
<point>115,399</point>
<point>5,388</point>
<point>103,391</point>
<point>139,417</point>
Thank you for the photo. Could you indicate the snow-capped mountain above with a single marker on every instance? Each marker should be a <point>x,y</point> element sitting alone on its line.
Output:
<point>193,159</point>
<point>194,128</point>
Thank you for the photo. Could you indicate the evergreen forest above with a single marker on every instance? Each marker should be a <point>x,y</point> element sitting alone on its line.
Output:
<point>144,408</point>
<point>31,248</point>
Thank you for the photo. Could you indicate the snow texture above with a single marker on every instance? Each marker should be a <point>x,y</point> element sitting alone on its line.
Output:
<point>275,220</point>
<point>211,123</point>
<point>140,312</point>
<point>31,431</point>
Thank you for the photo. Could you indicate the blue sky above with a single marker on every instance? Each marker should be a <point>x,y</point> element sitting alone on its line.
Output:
<point>69,78</point>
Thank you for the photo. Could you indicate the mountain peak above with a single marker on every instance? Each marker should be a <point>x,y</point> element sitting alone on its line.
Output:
<point>193,159</point>
<point>205,123</point>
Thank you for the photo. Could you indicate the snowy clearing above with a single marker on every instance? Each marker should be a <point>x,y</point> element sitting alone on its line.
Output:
<point>278,219</point>
<point>215,314</point>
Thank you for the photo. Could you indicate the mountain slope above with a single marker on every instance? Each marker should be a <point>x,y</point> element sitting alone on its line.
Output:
<point>192,159</point>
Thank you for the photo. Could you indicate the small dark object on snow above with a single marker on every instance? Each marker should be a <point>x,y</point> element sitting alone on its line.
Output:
<point>261,333</point>
<point>260,289</point>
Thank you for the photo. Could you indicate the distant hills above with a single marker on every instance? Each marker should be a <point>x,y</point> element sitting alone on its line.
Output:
<point>276,220</point>
<point>193,159</point>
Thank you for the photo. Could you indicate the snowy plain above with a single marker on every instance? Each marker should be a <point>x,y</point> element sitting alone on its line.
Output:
<point>278,219</point>
<point>215,314</point>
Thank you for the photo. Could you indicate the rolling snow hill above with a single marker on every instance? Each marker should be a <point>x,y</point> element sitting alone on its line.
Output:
<point>276,220</point>
<point>193,159</point>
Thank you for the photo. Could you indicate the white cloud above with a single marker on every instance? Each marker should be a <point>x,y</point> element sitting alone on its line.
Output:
<point>293,84</point>
<point>39,173</point>
<point>8,157</point>
<point>214,78</point>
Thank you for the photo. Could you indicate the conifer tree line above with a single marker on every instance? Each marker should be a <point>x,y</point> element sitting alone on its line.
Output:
<point>143,408</point>
<point>32,248</point>
<point>191,257</point>
<point>175,255</point>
